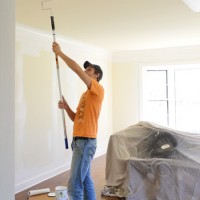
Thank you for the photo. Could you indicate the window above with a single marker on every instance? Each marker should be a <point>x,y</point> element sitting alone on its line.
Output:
<point>171,96</point>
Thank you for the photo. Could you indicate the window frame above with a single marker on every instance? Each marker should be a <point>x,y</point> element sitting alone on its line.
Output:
<point>170,68</point>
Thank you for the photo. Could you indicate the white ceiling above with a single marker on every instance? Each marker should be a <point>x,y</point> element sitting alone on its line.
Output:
<point>117,25</point>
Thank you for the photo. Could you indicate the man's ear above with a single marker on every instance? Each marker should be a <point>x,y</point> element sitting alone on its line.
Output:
<point>97,75</point>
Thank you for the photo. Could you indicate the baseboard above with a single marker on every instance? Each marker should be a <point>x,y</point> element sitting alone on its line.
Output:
<point>47,175</point>
<point>40,178</point>
<point>100,153</point>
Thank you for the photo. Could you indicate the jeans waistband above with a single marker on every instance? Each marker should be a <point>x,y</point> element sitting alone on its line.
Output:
<point>82,138</point>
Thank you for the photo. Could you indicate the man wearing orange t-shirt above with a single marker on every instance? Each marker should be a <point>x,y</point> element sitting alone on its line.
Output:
<point>80,185</point>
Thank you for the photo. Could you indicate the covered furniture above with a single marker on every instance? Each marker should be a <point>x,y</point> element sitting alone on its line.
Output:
<point>150,162</point>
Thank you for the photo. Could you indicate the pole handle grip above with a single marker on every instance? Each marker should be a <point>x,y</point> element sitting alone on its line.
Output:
<point>52,23</point>
<point>66,143</point>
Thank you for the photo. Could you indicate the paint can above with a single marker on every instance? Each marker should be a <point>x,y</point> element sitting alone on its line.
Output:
<point>61,193</point>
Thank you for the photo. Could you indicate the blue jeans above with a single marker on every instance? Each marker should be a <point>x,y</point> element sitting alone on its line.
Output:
<point>80,185</point>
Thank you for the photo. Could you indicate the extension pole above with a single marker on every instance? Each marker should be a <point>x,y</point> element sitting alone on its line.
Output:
<point>59,85</point>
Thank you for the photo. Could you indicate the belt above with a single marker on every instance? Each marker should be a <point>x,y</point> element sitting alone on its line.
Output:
<point>82,138</point>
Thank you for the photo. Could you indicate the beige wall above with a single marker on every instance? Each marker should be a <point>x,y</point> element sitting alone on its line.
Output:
<point>39,138</point>
<point>125,95</point>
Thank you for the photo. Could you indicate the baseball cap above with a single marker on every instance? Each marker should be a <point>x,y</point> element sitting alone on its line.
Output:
<point>96,67</point>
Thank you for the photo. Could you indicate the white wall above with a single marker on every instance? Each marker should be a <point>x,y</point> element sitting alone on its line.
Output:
<point>127,78</point>
<point>39,142</point>
<point>7,111</point>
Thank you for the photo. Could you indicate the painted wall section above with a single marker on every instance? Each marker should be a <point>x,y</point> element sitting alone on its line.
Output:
<point>39,142</point>
<point>125,95</point>
<point>7,105</point>
<point>127,78</point>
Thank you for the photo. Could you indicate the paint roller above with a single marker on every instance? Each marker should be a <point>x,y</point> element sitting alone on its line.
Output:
<point>58,72</point>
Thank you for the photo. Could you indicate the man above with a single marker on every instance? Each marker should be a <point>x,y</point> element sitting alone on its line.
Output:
<point>80,185</point>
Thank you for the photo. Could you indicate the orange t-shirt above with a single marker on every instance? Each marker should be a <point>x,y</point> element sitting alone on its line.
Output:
<point>88,110</point>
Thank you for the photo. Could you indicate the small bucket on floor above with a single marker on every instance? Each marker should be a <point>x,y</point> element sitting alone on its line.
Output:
<point>61,193</point>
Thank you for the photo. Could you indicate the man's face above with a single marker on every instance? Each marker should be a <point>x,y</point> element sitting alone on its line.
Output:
<point>90,71</point>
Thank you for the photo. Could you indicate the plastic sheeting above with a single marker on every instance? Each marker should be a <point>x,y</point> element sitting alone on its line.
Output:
<point>150,162</point>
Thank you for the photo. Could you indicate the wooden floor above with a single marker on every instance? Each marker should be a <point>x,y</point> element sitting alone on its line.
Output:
<point>98,174</point>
